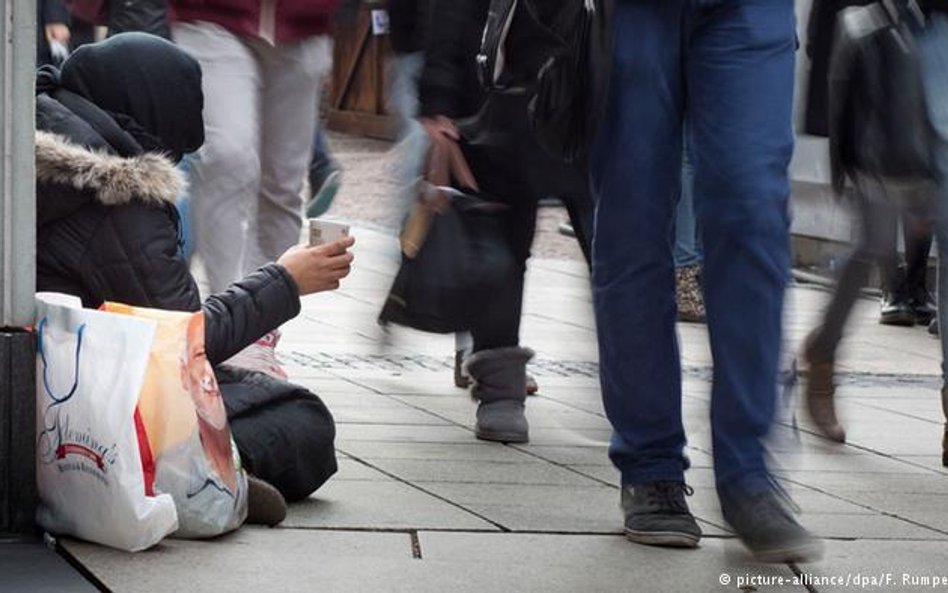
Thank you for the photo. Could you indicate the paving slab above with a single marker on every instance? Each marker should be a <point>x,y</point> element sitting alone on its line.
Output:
<point>252,559</point>
<point>881,566</point>
<point>483,472</point>
<point>30,566</point>
<point>379,504</point>
<point>532,507</point>
<point>593,563</point>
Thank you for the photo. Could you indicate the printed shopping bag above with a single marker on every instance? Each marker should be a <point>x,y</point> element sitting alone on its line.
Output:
<point>184,427</point>
<point>90,370</point>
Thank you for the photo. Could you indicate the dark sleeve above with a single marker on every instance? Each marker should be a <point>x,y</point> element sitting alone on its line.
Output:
<point>247,310</point>
<point>54,11</point>
<point>454,28</point>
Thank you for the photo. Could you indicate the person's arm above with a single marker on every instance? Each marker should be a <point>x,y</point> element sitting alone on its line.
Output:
<point>56,21</point>
<point>269,297</point>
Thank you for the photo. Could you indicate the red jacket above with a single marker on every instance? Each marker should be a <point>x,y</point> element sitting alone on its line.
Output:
<point>276,21</point>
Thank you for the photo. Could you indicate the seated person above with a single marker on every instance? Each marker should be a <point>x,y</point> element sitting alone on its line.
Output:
<point>110,128</point>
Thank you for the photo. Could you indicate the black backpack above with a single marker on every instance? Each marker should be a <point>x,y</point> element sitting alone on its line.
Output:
<point>878,114</point>
<point>558,52</point>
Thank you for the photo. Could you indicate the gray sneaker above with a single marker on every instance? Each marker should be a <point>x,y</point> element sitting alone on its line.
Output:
<point>656,514</point>
<point>769,530</point>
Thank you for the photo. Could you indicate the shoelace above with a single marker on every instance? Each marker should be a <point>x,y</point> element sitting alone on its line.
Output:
<point>669,495</point>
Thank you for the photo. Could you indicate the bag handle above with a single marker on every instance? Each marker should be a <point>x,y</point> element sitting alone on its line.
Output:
<point>42,353</point>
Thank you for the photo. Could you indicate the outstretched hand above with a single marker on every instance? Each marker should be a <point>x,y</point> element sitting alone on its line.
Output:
<point>319,268</point>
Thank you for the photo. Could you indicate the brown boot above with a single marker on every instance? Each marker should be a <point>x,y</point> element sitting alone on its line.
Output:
<point>820,399</point>
<point>944,440</point>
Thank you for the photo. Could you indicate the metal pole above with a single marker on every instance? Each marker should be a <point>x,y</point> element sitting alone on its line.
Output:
<point>17,266</point>
<point>17,182</point>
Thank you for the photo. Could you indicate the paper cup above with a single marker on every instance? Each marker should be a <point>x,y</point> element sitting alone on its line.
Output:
<point>323,231</point>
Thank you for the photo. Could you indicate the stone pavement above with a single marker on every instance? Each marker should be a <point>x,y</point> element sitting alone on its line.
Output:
<point>420,505</point>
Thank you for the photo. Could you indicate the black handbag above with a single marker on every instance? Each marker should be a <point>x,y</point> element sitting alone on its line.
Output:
<point>560,53</point>
<point>445,283</point>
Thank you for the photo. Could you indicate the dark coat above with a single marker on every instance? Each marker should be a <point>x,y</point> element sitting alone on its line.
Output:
<point>819,46</point>
<point>408,25</point>
<point>124,16</point>
<point>821,33</point>
<point>449,84</point>
<point>145,16</point>
<point>107,229</point>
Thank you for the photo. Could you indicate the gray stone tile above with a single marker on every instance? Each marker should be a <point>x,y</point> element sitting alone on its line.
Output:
<point>456,452</point>
<point>249,560</point>
<point>846,483</point>
<point>378,505</point>
<point>572,437</point>
<point>483,472</point>
<point>874,526</point>
<point>355,471</point>
<point>878,559</point>
<point>571,455</point>
<point>31,566</point>
<point>542,413</point>
<point>591,563</point>
<point>401,432</point>
<point>382,410</point>
<point>927,508</point>
<point>538,508</point>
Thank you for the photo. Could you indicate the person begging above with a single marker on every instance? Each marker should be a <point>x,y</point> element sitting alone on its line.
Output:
<point>110,128</point>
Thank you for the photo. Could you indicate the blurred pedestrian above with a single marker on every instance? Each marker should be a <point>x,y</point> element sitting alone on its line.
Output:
<point>935,62</point>
<point>264,65</point>
<point>879,203</point>
<point>510,167</point>
<point>728,69</point>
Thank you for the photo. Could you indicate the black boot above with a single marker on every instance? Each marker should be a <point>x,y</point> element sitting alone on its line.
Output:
<point>500,385</point>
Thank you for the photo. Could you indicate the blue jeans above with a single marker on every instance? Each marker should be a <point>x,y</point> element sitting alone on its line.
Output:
<point>687,245</point>
<point>934,51</point>
<point>732,65</point>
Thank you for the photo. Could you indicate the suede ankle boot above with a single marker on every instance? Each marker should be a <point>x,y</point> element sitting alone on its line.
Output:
<point>500,377</point>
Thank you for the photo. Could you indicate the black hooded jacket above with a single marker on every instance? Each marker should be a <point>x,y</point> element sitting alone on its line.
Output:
<point>107,229</point>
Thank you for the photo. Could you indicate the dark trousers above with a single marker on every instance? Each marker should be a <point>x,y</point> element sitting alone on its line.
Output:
<point>879,233</point>
<point>499,179</point>
<point>729,68</point>
<point>284,433</point>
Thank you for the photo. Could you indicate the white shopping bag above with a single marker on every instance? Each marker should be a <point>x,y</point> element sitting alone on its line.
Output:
<point>90,369</point>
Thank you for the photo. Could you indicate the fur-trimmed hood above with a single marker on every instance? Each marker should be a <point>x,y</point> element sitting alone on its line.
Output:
<point>115,180</point>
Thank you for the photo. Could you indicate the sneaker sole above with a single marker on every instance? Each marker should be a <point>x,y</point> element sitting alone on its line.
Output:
<point>502,437</point>
<point>901,320</point>
<point>666,539</point>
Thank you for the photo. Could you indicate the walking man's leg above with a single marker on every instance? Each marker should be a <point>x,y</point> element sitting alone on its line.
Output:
<point>225,176</point>
<point>636,167</point>
<point>740,69</point>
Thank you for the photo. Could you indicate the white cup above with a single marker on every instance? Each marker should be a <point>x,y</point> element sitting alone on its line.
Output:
<point>324,231</point>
